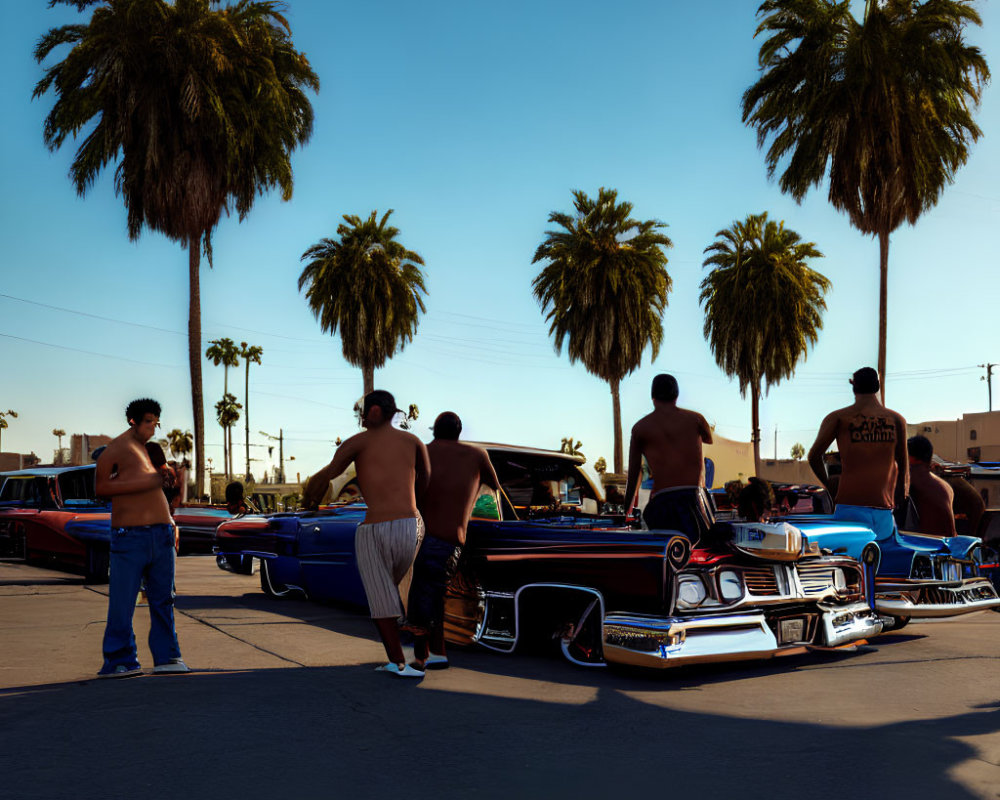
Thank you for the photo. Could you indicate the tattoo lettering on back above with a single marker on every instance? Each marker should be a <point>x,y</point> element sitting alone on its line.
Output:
<point>872,430</point>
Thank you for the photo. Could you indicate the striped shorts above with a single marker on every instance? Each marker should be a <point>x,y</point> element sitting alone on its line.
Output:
<point>385,553</point>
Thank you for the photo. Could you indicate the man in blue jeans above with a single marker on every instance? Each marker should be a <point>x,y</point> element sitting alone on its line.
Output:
<point>142,545</point>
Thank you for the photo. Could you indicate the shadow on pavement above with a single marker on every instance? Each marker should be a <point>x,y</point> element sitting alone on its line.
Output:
<point>344,731</point>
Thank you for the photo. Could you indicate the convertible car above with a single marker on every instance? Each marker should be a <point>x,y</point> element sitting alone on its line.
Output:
<point>52,515</point>
<point>542,564</point>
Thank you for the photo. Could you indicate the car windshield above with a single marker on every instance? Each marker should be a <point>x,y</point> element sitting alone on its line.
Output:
<point>538,482</point>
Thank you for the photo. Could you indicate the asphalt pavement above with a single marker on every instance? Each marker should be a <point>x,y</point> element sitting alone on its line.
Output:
<point>284,703</point>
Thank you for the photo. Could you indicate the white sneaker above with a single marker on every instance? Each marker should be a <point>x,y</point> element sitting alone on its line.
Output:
<point>406,671</point>
<point>174,665</point>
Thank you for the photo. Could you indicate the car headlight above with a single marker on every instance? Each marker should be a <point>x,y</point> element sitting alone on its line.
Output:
<point>730,585</point>
<point>691,592</point>
<point>839,580</point>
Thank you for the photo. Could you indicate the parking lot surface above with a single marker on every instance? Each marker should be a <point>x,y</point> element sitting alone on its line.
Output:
<point>284,702</point>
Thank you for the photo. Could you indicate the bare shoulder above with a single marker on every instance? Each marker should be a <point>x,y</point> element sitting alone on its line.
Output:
<point>898,418</point>
<point>643,425</point>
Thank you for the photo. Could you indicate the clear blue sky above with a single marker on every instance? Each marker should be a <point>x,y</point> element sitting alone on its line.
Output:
<point>474,121</point>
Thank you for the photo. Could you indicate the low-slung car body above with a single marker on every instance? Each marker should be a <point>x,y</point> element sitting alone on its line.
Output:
<point>917,576</point>
<point>53,515</point>
<point>542,564</point>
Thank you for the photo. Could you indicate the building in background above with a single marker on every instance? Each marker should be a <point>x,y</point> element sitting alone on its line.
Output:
<point>974,438</point>
<point>14,461</point>
<point>81,446</point>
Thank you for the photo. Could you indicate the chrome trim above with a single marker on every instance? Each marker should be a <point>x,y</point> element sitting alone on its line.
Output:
<point>289,587</point>
<point>902,603</point>
<point>515,597</point>
<point>842,625</point>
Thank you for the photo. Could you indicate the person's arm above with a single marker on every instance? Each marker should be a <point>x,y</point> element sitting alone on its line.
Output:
<point>423,465</point>
<point>107,486</point>
<point>902,463</point>
<point>827,433</point>
<point>320,482</point>
<point>488,475</point>
<point>705,430</point>
<point>634,469</point>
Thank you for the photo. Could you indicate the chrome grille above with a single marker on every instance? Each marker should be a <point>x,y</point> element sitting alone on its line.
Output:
<point>761,580</point>
<point>815,578</point>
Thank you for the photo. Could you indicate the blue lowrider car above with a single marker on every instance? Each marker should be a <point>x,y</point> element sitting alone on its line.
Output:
<point>542,564</point>
<point>916,576</point>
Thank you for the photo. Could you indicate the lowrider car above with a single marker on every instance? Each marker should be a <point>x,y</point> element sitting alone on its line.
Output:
<point>916,576</point>
<point>52,515</point>
<point>541,563</point>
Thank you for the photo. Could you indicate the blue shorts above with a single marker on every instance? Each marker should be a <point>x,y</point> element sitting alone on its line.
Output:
<point>880,520</point>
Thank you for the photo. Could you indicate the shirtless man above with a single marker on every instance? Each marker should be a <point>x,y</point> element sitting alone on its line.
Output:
<point>142,545</point>
<point>393,468</point>
<point>671,439</point>
<point>457,472</point>
<point>871,440</point>
<point>932,496</point>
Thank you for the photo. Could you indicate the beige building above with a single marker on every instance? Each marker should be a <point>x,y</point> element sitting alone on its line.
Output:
<point>973,438</point>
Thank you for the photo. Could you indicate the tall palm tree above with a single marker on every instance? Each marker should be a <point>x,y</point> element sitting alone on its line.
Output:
<point>249,355</point>
<point>4,424</point>
<point>366,285</point>
<point>227,412</point>
<point>59,433</point>
<point>763,306</point>
<point>199,106</point>
<point>224,351</point>
<point>605,289</point>
<point>881,108</point>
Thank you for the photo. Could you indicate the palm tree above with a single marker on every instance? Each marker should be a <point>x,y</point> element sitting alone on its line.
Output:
<point>198,106</point>
<point>180,442</point>
<point>227,412</point>
<point>763,306</point>
<point>605,289</point>
<point>366,285</point>
<point>568,446</point>
<point>59,433</point>
<point>4,424</point>
<point>881,108</point>
<point>223,351</point>
<point>249,355</point>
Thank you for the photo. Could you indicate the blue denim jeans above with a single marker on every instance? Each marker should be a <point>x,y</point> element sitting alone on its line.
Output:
<point>435,565</point>
<point>144,551</point>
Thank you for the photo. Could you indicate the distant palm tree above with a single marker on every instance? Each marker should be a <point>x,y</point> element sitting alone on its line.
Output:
<point>570,447</point>
<point>4,424</point>
<point>880,108</point>
<point>59,433</point>
<point>227,412</point>
<point>180,442</point>
<point>763,306</point>
<point>198,105</point>
<point>366,285</point>
<point>798,451</point>
<point>224,351</point>
<point>249,355</point>
<point>605,289</point>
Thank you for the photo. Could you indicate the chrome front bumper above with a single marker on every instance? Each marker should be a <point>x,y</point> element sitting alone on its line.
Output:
<point>932,599</point>
<point>663,642</point>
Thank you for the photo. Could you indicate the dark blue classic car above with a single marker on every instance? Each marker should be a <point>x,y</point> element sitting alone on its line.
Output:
<point>543,565</point>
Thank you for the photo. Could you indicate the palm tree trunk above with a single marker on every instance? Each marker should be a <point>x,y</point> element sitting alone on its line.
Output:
<point>246,418</point>
<point>368,378</point>
<point>616,410</point>
<point>194,361</point>
<point>883,302</point>
<point>755,422</point>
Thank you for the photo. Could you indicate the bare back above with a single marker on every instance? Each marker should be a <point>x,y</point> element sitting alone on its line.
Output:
<point>871,440</point>
<point>671,440</point>
<point>386,462</point>
<point>457,472</point>
<point>125,473</point>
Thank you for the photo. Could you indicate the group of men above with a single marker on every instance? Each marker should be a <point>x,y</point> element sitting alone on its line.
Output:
<point>419,500</point>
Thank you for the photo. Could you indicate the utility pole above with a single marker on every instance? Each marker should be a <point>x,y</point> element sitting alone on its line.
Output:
<point>280,439</point>
<point>989,382</point>
<point>775,442</point>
